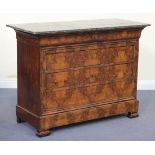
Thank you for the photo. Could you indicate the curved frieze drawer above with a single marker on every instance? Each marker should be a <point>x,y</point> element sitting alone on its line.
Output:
<point>60,58</point>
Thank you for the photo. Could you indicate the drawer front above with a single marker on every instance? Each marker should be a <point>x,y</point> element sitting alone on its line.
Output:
<point>88,76</point>
<point>67,99</point>
<point>74,56</point>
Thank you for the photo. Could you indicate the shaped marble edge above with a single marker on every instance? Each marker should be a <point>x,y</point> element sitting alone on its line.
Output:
<point>76,26</point>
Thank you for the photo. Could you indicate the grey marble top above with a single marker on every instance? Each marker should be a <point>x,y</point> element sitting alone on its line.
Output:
<point>76,26</point>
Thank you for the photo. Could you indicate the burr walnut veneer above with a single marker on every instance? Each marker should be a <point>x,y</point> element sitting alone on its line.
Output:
<point>71,72</point>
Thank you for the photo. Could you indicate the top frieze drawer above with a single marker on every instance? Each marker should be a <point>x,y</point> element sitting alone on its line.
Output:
<point>74,56</point>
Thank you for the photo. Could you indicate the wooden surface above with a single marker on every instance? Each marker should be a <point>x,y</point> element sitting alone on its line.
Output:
<point>73,78</point>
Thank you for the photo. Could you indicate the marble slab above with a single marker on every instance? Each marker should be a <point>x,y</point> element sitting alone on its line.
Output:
<point>76,26</point>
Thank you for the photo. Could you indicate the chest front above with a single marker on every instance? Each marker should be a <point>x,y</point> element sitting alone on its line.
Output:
<point>83,75</point>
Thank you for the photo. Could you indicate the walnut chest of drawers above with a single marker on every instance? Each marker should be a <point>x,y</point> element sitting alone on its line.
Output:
<point>71,72</point>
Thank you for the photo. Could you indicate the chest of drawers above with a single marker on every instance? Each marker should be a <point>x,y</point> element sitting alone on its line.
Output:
<point>71,72</point>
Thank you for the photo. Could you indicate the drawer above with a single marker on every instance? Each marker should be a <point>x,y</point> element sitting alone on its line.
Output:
<point>74,56</point>
<point>90,95</point>
<point>89,75</point>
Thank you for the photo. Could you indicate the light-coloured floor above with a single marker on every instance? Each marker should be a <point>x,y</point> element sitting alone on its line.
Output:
<point>114,128</point>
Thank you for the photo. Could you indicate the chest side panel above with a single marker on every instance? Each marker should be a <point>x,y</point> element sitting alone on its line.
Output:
<point>28,66</point>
